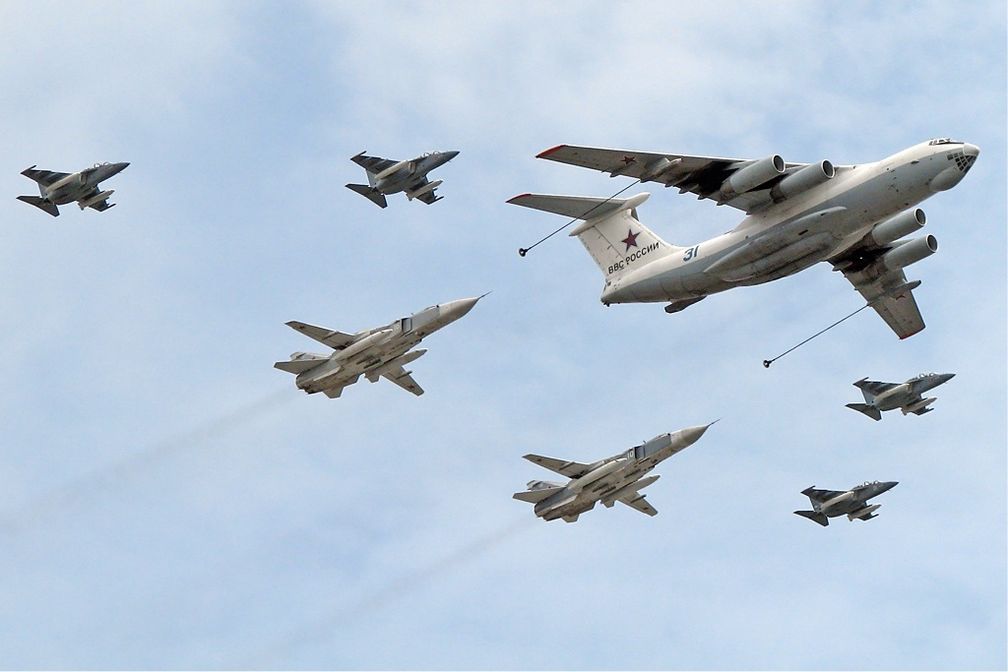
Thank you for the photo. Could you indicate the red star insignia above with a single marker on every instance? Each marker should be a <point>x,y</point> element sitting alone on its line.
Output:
<point>629,159</point>
<point>631,239</point>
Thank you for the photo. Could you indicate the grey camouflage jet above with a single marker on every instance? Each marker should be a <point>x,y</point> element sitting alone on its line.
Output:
<point>386,176</point>
<point>619,478</point>
<point>374,353</point>
<point>828,504</point>
<point>906,396</point>
<point>62,188</point>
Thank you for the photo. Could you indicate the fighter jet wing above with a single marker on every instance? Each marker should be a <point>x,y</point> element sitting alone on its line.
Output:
<point>101,206</point>
<point>373,164</point>
<point>403,379</point>
<point>334,339</point>
<point>635,500</point>
<point>820,495</point>
<point>43,177</point>
<point>700,175</point>
<point>874,387</point>
<point>562,467</point>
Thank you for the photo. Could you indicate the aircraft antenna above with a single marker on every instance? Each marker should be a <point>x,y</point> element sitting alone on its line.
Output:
<point>522,251</point>
<point>768,362</point>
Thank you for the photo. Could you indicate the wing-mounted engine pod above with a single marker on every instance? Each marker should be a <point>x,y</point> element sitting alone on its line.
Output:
<point>910,252</point>
<point>896,227</point>
<point>750,177</point>
<point>802,180</point>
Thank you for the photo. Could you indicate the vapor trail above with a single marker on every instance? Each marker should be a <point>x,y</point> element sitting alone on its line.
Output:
<point>76,490</point>
<point>395,590</point>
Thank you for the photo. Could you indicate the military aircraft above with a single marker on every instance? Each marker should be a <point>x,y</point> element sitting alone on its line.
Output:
<point>63,188</point>
<point>376,353</point>
<point>797,215</point>
<point>906,396</point>
<point>609,480</point>
<point>854,502</point>
<point>390,177</point>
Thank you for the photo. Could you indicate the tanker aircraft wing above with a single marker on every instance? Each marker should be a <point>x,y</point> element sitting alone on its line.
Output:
<point>403,379</point>
<point>886,290</point>
<point>562,467</point>
<point>699,175</point>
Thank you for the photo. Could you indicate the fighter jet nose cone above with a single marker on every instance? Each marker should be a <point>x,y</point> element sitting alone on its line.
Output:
<point>451,155</point>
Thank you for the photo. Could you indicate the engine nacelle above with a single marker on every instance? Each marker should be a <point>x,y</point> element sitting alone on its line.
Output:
<point>751,176</point>
<point>910,252</point>
<point>896,227</point>
<point>657,168</point>
<point>803,180</point>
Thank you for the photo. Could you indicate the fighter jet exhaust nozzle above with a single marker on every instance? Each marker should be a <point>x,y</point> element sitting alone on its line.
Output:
<point>910,252</point>
<point>896,227</point>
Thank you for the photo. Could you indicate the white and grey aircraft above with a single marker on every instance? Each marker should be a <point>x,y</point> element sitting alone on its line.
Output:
<point>386,176</point>
<point>908,396</point>
<point>62,188</point>
<point>619,478</point>
<point>376,353</point>
<point>828,504</point>
<point>854,217</point>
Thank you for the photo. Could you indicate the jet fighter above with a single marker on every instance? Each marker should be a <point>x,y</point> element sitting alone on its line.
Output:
<point>63,188</point>
<point>906,396</point>
<point>386,176</point>
<point>619,478</point>
<point>376,353</point>
<point>797,215</point>
<point>828,504</point>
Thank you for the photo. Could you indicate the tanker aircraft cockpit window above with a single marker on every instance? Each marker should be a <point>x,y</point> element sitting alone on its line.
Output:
<point>945,141</point>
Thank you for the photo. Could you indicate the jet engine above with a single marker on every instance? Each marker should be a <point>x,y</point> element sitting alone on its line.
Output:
<point>802,180</point>
<point>896,227</point>
<point>751,176</point>
<point>910,252</point>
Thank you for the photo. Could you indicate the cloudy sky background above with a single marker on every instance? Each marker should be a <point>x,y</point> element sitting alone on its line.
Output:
<point>167,499</point>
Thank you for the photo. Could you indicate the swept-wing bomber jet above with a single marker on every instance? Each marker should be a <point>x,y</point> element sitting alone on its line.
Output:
<point>386,176</point>
<point>908,396</point>
<point>376,353</point>
<point>797,215</point>
<point>62,188</point>
<point>828,504</point>
<point>619,478</point>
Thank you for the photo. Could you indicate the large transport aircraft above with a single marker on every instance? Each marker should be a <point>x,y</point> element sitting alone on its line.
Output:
<point>797,215</point>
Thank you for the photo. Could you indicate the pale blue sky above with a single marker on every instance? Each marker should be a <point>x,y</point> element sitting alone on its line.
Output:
<point>170,500</point>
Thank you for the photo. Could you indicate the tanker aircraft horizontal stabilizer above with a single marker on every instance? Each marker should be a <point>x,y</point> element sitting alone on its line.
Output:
<point>797,215</point>
<point>376,353</point>
<point>619,478</point>
<point>828,504</point>
<point>386,176</point>
<point>908,396</point>
<point>62,188</point>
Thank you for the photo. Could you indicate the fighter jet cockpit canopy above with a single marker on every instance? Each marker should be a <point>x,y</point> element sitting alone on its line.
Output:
<point>945,141</point>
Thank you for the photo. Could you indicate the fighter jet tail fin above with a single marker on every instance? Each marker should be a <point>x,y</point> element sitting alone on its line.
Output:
<point>41,204</point>
<point>871,411</point>
<point>815,517</point>
<point>369,193</point>
<point>610,229</point>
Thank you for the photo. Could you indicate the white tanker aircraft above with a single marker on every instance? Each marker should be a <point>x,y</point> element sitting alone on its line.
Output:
<point>797,215</point>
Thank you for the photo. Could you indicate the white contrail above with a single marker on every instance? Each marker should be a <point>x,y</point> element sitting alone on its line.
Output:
<point>76,490</point>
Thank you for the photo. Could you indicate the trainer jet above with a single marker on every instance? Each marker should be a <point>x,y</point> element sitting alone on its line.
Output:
<point>63,188</point>
<point>908,396</point>
<point>828,504</point>
<point>619,478</point>
<point>376,353</point>
<point>797,215</point>
<point>386,176</point>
